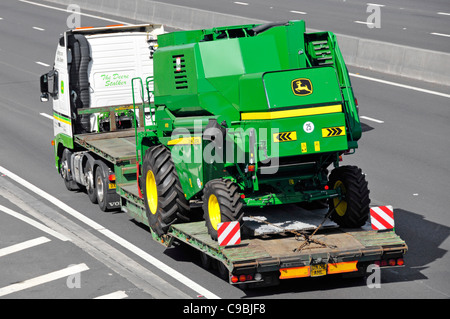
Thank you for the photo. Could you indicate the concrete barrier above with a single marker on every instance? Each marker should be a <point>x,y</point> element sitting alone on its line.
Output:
<point>420,64</point>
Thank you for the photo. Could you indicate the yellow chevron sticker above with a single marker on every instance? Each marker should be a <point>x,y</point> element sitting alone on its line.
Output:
<point>285,137</point>
<point>333,131</point>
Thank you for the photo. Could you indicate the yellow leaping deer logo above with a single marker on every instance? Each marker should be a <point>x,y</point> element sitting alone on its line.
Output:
<point>301,87</point>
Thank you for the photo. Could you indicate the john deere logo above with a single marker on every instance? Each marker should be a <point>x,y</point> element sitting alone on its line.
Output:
<point>301,87</point>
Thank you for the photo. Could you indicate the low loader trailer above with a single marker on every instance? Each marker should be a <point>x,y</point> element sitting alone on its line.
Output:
<point>217,139</point>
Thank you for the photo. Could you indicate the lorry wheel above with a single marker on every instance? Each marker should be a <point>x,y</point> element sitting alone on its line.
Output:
<point>90,187</point>
<point>106,200</point>
<point>352,210</point>
<point>64,170</point>
<point>164,199</point>
<point>221,203</point>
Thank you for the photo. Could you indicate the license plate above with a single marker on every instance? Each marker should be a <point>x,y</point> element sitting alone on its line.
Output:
<point>112,185</point>
<point>318,270</point>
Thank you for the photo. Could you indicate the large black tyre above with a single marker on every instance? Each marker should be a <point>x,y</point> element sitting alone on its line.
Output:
<point>221,203</point>
<point>165,203</point>
<point>108,199</point>
<point>352,209</point>
<point>90,187</point>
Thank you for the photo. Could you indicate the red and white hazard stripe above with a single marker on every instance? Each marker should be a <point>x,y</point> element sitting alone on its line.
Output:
<point>229,233</point>
<point>382,217</point>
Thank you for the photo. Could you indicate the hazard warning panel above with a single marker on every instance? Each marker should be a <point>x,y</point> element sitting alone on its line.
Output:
<point>229,233</point>
<point>382,217</point>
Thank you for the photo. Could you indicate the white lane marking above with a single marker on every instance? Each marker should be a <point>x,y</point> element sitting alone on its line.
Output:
<point>400,85</point>
<point>43,64</point>
<point>39,29</point>
<point>371,119</point>
<point>136,250</point>
<point>441,34</point>
<point>363,22</point>
<point>72,270</point>
<point>24,245</point>
<point>47,116</point>
<point>114,295</point>
<point>1,18</point>
<point>33,223</point>
<point>298,12</point>
<point>65,10</point>
<point>241,3</point>
<point>444,13</point>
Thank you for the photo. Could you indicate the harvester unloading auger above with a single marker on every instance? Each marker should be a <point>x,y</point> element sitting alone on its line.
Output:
<point>250,116</point>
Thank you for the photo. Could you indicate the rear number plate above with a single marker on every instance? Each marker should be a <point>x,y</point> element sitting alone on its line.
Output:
<point>318,270</point>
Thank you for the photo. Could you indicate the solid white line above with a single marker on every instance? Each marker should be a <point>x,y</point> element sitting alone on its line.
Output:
<point>39,29</point>
<point>441,34</point>
<point>400,85</point>
<point>75,269</point>
<point>114,295</point>
<point>371,119</point>
<point>21,246</point>
<point>298,12</point>
<point>47,116</point>
<point>43,64</point>
<point>65,10</point>
<point>241,3</point>
<point>136,250</point>
<point>364,22</point>
<point>33,223</point>
<point>444,13</point>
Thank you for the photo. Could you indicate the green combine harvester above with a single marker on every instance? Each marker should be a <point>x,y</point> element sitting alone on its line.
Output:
<point>250,116</point>
<point>188,130</point>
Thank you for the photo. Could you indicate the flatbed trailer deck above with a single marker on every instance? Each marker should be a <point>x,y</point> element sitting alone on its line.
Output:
<point>261,258</point>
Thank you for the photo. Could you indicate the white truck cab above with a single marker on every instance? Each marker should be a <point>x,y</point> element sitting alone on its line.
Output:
<point>94,68</point>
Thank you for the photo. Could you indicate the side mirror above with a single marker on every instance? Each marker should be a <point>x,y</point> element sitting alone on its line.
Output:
<point>44,87</point>
<point>44,83</point>
<point>44,97</point>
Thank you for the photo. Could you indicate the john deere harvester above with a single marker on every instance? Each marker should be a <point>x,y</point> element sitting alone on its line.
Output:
<point>250,115</point>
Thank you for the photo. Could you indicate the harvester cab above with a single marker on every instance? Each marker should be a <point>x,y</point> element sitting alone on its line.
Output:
<point>250,115</point>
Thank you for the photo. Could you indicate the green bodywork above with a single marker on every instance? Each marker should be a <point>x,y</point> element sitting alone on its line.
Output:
<point>280,98</point>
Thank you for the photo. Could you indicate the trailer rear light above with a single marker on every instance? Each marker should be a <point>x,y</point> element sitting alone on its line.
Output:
<point>327,187</point>
<point>251,168</point>
<point>383,263</point>
<point>258,276</point>
<point>400,262</point>
<point>234,279</point>
<point>242,196</point>
<point>392,262</point>
<point>112,177</point>
<point>242,278</point>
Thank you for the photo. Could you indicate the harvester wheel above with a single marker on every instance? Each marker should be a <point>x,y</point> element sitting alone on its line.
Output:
<point>164,199</point>
<point>221,203</point>
<point>352,209</point>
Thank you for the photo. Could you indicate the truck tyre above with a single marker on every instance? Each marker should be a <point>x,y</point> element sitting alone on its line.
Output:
<point>107,200</point>
<point>221,203</point>
<point>64,170</point>
<point>164,199</point>
<point>352,210</point>
<point>90,182</point>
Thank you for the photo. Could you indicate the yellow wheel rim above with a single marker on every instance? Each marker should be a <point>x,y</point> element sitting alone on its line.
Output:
<point>340,205</point>
<point>214,211</point>
<point>151,192</point>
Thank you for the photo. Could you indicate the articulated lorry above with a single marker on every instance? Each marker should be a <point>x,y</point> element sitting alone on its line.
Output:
<point>193,131</point>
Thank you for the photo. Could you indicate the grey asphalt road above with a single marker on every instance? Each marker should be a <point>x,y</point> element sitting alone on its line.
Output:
<point>404,152</point>
<point>422,24</point>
